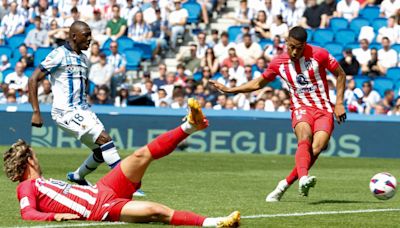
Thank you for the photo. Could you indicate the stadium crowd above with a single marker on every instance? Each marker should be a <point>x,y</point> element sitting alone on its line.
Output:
<point>163,26</point>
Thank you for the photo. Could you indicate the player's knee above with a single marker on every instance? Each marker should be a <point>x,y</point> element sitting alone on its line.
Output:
<point>158,211</point>
<point>142,154</point>
<point>103,138</point>
<point>317,148</point>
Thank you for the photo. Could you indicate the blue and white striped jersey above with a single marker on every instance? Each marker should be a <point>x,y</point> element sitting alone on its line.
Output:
<point>68,74</point>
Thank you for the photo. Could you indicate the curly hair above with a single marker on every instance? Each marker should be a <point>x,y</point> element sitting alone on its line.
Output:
<point>16,160</point>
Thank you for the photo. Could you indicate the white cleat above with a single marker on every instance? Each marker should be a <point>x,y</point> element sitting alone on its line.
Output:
<point>277,193</point>
<point>305,183</point>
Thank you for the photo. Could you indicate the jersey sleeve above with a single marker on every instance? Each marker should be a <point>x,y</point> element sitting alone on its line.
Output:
<point>51,62</point>
<point>328,60</point>
<point>270,73</point>
<point>27,202</point>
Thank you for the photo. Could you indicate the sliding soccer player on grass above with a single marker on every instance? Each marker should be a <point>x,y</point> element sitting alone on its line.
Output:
<point>303,67</point>
<point>111,198</point>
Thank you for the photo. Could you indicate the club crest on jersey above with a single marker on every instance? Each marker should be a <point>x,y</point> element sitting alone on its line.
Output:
<point>301,79</point>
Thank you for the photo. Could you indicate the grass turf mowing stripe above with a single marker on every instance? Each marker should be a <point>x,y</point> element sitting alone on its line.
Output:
<point>319,213</point>
<point>75,225</point>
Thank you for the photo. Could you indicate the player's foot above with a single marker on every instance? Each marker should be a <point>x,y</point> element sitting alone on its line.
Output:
<point>195,116</point>
<point>232,220</point>
<point>305,183</point>
<point>139,193</point>
<point>72,177</point>
<point>277,193</point>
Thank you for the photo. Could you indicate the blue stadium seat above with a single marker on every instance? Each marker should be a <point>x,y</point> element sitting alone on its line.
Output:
<point>315,44</point>
<point>309,35</point>
<point>91,87</point>
<point>13,61</point>
<point>124,42</point>
<point>382,84</point>
<point>370,12</point>
<point>378,23</point>
<point>147,53</point>
<point>352,45</point>
<point>393,73</point>
<point>133,58</point>
<point>197,76</point>
<point>106,51</point>
<point>375,45</point>
<point>194,11</point>
<point>233,32</point>
<point>15,41</point>
<point>29,71</point>
<point>7,72</point>
<point>357,23</point>
<point>216,76</point>
<point>323,36</point>
<point>276,84</point>
<point>396,47</point>
<point>334,48</point>
<point>29,27</point>
<point>338,57</point>
<point>40,55</point>
<point>345,36</point>
<point>337,23</point>
<point>5,50</point>
<point>106,44</point>
<point>360,79</point>
<point>396,88</point>
<point>265,42</point>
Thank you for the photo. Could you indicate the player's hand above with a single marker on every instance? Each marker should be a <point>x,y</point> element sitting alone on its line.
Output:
<point>340,113</point>
<point>221,88</point>
<point>65,216</point>
<point>37,120</point>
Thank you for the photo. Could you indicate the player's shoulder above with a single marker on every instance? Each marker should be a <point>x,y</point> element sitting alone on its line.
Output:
<point>26,186</point>
<point>279,59</point>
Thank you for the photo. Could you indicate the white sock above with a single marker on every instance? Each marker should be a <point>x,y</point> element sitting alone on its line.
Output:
<point>88,166</point>
<point>188,128</point>
<point>110,154</point>
<point>211,222</point>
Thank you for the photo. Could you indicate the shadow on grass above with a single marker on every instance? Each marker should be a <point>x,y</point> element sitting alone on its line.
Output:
<point>340,202</point>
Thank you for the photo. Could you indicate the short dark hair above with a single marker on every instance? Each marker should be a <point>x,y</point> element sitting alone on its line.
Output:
<point>298,33</point>
<point>74,10</point>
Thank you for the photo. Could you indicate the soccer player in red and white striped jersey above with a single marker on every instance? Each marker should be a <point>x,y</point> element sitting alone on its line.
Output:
<point>303,67</point>
<point>111,198</point>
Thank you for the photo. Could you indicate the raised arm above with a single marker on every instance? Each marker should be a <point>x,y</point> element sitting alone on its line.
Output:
<point>33,84</point>
<point>250,86</point>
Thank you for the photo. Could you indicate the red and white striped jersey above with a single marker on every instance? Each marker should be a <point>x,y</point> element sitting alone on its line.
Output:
<point>41,199</point>
<point>306,77</point>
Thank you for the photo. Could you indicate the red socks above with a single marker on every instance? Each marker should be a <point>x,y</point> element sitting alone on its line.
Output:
<point>165,143</point>
<point>293,175</point>
<point>303,158</point>
<point>186,218</point>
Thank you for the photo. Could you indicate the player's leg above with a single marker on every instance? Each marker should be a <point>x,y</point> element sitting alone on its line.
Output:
<point>144,212</point>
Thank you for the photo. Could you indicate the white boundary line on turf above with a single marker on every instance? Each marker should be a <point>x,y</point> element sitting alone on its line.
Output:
<point>75,225</point>
<point>319,213</point>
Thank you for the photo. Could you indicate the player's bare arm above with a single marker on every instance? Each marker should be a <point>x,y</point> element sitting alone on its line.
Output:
<point>33,84</point>
<point>250,86</point>
<point>65,216</point>
<point>340,112</point>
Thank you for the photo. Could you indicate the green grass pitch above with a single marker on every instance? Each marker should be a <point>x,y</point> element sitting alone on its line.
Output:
<point>216,184</point>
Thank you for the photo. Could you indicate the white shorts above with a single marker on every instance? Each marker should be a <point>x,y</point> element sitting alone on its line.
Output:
<point>83,124</point>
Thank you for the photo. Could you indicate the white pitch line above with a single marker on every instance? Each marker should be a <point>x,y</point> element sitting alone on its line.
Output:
<point>75,225</point>
<point>319,213</point>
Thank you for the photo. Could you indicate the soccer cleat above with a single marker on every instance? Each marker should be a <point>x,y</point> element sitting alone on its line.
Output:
<point>196,116</point>
<point>277,193</point>
<point>139,193</point>
<point>232,220</point>
<point>71,177</point>
<point>305,183</point>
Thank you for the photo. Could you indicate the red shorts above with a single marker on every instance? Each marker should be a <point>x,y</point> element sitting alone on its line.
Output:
<point>319,120</point>
<point>115,190</point>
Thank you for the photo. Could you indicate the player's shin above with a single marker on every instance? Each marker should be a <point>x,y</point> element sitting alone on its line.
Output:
<point>110,154</point>
<point>187,218</point>
<point>166,143</point>
<point>303,158</point>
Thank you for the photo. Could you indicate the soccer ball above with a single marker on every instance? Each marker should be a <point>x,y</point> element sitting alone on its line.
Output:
<point>383,186</point>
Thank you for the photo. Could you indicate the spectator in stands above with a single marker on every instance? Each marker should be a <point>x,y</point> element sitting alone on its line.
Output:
<point>221,49</point>
<point>121,100</point>
<point>177,21</point>
<point>396,109</point>
<point>348,9</point>
<point>12,23</point>
<point>45,95</point>
<point>53,16</point>
<point>150,13</point>
<point>248,72</point>
<point>372,68</point>
<point>259,67</point>
<point>250,51</point>
<point>118,65</point>
<point>245,30</point>
<point>260,27</point>
<point>4,8</point>
<point>349,63</point>
<point>279,28</point>
<point>65,7</point>
<point>75,16</point>
<point>389,8</point>
<point>214,38</point>
<point>328,8</point>
<point>158,29</point>
<point>363,53</point>
<point>230,104</point>
<point>292,15</point>
<point>181,76</point>
<point>94,55</point>
<point>206,72</point>
<point>225,76</point>
<point>17,80</point>
<point>88,11</point>
<point>37,37</point>
<point>201,45</point>
<point>170,84</point>
<point>272,8</point>
<point>274,49</point>
<point>370,97</point>
<point>387,57</point>
<point>356,103</point>
<point>379,110</point>
<point>108,11</point>
<point>11,96</point>
<point>210,61</point>
<point>189,58</point>
<point>312,16</point>
<point>389,31</point>
<point>116,27</point>
<point>25,10</point>
<point>161,97</point>
<point>388,100</point>
<point>221,102</point>
<point>98,26</point>
<point>162,73</point>
<point>26,58</point>
<point>139,30</point>
<point>178,100</point>
<point>5,64</point>
<point>260,105</point>
<point>102,96</point>
<point>57,35</point>
<point>237,72</point>
<point>101,73</point>
<point>232,54</point>
<point>243,14</point>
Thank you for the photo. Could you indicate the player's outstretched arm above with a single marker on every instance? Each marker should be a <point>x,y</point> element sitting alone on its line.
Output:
<point>340,112</point>
<point>65,216</point>
<point>250,86</point>
<point>33,84</point>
